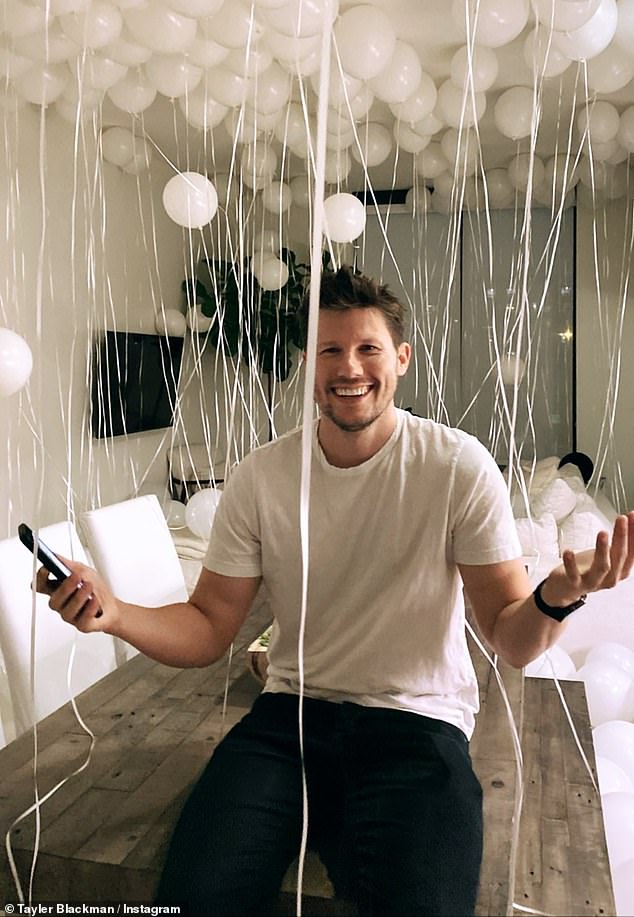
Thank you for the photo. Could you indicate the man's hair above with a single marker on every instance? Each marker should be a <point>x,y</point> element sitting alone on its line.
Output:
<point>349,289</point>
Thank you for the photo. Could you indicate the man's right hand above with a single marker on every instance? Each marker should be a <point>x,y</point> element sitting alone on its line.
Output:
<point>82,600</point>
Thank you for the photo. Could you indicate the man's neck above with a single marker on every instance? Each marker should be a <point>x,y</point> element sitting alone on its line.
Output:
<point>346,449</point>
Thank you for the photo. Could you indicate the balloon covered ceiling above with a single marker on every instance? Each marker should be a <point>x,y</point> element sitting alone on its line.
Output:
<point>510,91</point>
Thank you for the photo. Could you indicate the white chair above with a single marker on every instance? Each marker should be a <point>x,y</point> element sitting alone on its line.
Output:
<point>54,639</point>
<point>133,550</point>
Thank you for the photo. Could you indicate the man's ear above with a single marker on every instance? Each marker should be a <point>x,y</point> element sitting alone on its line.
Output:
<point>403,355</point>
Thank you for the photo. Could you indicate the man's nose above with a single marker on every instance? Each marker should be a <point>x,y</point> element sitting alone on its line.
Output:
<point>350,363</point>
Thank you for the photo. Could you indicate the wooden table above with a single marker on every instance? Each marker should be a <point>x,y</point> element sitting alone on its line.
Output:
<point>104,833</point>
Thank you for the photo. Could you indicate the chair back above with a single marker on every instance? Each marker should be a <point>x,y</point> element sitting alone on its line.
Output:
<point>23,612</point>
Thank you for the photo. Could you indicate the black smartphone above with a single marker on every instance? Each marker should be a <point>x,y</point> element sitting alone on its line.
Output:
<point>48,558</point>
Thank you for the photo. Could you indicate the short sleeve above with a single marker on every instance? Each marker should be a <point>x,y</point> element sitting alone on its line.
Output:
<point>234,544</point>
<point>483,527</point>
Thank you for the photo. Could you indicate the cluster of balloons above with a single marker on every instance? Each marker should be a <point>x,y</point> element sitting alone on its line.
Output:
<point>197,514</point>
<point>235,65</point>
<point>608,675</point>
<point>16,362</point>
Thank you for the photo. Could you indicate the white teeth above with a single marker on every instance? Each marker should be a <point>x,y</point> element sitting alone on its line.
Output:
<point>361,390</point>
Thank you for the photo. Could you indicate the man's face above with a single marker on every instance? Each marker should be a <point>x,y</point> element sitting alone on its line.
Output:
<point>358,367</point>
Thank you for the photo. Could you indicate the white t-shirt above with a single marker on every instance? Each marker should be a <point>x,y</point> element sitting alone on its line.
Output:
<point>385,619</point>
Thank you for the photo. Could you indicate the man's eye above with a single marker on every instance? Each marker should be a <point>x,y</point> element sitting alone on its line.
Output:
<point>369,348</point>
<point>329,350</point>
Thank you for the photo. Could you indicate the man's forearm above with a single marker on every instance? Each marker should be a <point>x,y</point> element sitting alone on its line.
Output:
<point>179,635</point>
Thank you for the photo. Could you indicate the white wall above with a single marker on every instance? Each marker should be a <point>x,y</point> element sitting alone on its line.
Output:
<point>71,264</point>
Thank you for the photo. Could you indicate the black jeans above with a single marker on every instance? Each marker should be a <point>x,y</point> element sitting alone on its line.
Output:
<point>394,808</point>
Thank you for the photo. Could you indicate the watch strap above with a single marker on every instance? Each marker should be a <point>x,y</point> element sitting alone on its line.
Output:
<point>558,613</point>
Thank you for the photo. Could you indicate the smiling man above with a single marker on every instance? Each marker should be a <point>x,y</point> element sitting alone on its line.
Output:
<point>404,513</point>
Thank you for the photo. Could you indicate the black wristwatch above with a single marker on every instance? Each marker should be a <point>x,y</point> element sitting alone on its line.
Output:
<point>557,613</point>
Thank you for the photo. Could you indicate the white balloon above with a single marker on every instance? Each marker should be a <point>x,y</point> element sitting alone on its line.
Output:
<point>444,185</point>
<point>289,50</point>
<point>43,84</point>
<point>600,120</point>
<point>175,515</point>
<point>206,53</point>
<point>542,55</point>
<point>344,217</point>
<point>170,322</point>
<point>201,509</point>
<point>16,362</point>
<point>127,50</point>
<point>614,653</point>
<point>624,36</point>
<point>477,72</point>
<point>492,22</point>
<point>227,87</point>
<point>301,190</point>
<point>23,18</point>
<point>618,817</point>
<point>409,140</point>
<point>611,70</point>
<point>231,27</point>
<point>400,79</point>
<point>524,168</point>
<point>277,197</point>
<point>132,94</point>
<point>560,175</point>
<point>13,65</point>
<point>376,144</point>
<point>270,272</point>
<point>571,14</point>
<point>500,192</point>
<point>161,29</point>
<point>96,26</point>
<point>623,885</point>
<point>49,46</point>
<point>593,174</point>
<point>593,37</point>
<point>201,110</point>
<point>609,691</point>
<point>361,103</point>
<point>267,241</point>
<point>117,145</point>
<point>460,150</point>
<point>429,125</point>
<point>514,112</point>
<point>197,9</point>
<point>418,199</point>
<point>190,199</point>
<point>340,140</point>
<point>459,107</point>
<point>141,159</point>
<point>301,18</point>
<point>250,60</point>
<point>555,662</point>
<point>172,74</point>
<point>270,90</point>
<point>258,164</point>
<point>615,741</point>
<point>612,778</point>
<point>432,161</point>
<point>340,86</point>
<point>365,40</point>
<point>337,166</point>
<point>420,104</point>
<point>626,129</point>
<point>98,72</point>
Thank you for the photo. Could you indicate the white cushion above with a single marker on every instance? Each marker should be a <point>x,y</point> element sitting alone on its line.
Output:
<point>538,474</point>
<point>579,531</point>
<point>538,536</point>
<point>557,498</point>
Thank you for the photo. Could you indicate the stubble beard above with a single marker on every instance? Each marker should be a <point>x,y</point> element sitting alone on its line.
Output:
<point>351,426</point>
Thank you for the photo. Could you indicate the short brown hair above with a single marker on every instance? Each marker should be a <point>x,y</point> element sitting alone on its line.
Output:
<point>349,289</point>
